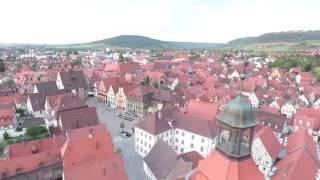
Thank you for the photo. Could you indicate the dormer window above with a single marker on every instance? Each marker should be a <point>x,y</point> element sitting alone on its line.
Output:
<point>19,170</point>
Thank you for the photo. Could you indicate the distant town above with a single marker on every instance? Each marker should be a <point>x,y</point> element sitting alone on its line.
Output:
<point>159,114</point>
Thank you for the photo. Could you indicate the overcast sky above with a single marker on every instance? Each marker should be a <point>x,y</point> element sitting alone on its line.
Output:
<point>73,21</point>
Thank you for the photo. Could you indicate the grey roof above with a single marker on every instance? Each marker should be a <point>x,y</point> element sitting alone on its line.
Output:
<point>73,80</point>
<point>37,101</point>
<point>161,160</point>
<point>238,114</point>
<point>46,87</point>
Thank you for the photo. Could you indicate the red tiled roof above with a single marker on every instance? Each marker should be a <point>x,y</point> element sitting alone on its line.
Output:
<point>219,167</point>
<point>297,165</point>
<point>302,139</point>
<point>78,118</point>
<point>26,157</point>
<point>270,142</point>
<point>89,154</point>
<point>202,110</point>
<point>6,117</point>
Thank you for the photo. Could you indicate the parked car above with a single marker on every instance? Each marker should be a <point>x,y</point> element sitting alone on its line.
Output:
<point>120,115</point>
<point>131,131</point>
<point>125,134</point>
<point>128,118</point>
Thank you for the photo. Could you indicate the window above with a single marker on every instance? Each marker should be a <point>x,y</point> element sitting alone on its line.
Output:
<point>201,149</point>
<point>182,133</point>
<point>176,139</point>
<point>202,140</point>
<point>308,123</point>
<point>181,150</point>
<point>182,142</point>
<point>177,132</point>
<point>192,136</point>
<point>149,137</point>
<point>191,145</point>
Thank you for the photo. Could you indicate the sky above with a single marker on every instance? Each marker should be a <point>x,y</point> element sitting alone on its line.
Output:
<point>77,21</point>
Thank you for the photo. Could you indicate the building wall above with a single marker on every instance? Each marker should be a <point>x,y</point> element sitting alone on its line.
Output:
<point>52,172</point>
<point>148,172</point>
<point>180,140</point>
<point>137,107</point>
<point>186,141</point>
<point>59,82</point>
<point>29,106</point>
<point>261,156</point>
<point>111,98</point>
<point>121,100</point>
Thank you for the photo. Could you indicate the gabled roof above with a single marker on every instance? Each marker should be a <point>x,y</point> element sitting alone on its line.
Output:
<point>37,101</point>
<point>219,167</point>
<point>78,118</point>
<point>296,166</point>
<point>73,80</point>
<point>202,110</point>
<point>30,156</point>
<point>69,102</point>
<point>270,142</point>
<point>302,140</point>
<point>89,154</point>
<point>46,88</point>
<point>161,167</point>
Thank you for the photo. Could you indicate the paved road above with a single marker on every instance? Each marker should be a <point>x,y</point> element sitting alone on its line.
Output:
<point>110,118</point>
<point>133,162</point>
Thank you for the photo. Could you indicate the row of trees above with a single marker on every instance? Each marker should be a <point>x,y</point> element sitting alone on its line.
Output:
<point>2,66</point>
<point>306,63</point>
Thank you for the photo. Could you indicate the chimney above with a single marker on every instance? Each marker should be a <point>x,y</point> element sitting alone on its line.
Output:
<point>34,149</point>
<point>97,145</point>
<point>91,133</point>
<point>104,170</point>
<point>159,115</point>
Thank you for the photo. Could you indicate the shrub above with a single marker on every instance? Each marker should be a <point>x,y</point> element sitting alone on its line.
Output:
<point>35,131</point>
<point>6,136</point>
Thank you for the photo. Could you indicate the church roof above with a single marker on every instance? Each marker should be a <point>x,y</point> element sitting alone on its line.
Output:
<point>238,114</point>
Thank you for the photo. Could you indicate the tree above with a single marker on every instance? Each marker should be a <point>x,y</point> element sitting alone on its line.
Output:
<point>76,62</point>
<point>6,136</point>
<point>156,85</point>
<point>121,58</point>
<point>36,130</point>
<point>2,66</point>
<point>10,83</point>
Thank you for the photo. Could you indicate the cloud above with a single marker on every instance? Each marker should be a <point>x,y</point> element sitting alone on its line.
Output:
<point>60,21</point>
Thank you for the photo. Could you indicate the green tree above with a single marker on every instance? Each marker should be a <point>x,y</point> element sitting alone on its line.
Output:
<point>76,62</point>
<point>156,85</point>
<point>10,82</point>
<point>6,136</point>
<point>121,58</point>
<point>2,66</point>
<point>36,130</point>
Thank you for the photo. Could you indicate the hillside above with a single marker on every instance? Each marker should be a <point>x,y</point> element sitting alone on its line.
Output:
<point>279,37</point>
<point>140,42</point>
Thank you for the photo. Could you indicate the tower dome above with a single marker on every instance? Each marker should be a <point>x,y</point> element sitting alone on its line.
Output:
<point>238,114</point>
